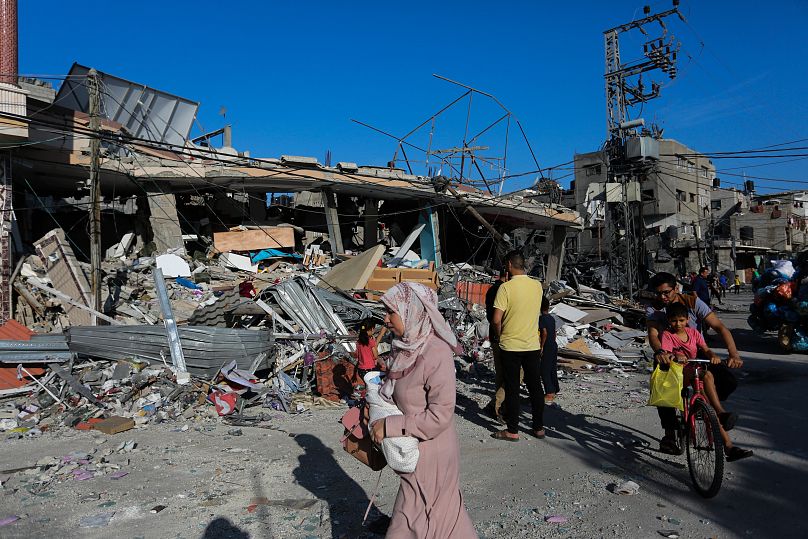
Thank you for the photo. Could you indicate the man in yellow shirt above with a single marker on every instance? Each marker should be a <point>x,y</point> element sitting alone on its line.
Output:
<point>516,324</point>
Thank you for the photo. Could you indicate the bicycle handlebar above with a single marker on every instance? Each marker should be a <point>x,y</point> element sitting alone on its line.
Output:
<point>703,361</point>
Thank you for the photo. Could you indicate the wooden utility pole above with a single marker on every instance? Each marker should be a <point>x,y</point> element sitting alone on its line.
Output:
<point>94,92</point>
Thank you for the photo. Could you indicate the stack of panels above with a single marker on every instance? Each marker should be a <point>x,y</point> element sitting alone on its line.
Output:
<point>206,349</point>
<point>51,348</point>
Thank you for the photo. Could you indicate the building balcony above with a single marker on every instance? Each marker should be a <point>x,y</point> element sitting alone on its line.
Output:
<point>13,102</point>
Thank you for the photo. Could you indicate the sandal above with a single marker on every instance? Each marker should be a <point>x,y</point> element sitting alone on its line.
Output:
<point>736,453</point>
<point>727,420</point>
<point>669,446</point>
<point>540,434</point>
<point>505,435</point>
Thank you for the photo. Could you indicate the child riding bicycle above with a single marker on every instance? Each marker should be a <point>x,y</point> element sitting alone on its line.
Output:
<point>683,343</point>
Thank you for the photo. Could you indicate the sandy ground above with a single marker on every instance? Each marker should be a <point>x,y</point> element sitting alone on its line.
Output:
<point>601,435</point>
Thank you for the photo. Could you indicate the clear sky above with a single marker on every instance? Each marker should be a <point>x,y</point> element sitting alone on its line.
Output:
<point>291,75</point>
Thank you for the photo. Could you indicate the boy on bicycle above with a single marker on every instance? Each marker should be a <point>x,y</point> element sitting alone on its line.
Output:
<point>684,343</point>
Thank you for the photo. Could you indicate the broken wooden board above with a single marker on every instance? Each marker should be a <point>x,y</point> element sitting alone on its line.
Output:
<point>579,345</point>
<point>353,273</point>
<point>114,425</point>
<point>586,357</point>
<point>268,237</point>
<point>66,275</point>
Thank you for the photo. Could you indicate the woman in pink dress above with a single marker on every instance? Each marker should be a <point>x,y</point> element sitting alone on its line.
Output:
<point>421,382</point>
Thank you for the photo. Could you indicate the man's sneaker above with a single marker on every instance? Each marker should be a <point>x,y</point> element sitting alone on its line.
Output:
<point>736,453</point>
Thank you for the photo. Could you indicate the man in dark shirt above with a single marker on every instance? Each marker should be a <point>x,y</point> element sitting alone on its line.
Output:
<point>701,287</point>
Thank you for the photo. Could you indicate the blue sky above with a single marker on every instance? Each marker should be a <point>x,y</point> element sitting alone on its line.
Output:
<point>292,75</point>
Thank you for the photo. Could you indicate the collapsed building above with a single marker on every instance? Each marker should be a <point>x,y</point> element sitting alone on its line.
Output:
<point>228,279</point>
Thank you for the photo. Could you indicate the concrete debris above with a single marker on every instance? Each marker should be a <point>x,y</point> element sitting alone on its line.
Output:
<point>258,327</point>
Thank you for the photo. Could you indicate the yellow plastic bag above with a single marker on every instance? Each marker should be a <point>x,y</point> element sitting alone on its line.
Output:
<point>666,387</point>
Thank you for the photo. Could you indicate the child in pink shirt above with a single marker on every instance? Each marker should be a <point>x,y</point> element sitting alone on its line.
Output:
<point>685,343</point>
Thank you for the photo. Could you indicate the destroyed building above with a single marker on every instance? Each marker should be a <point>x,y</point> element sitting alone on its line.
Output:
<point>230,279</point>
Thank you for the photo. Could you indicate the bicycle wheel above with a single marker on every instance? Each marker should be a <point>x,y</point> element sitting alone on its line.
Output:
<point>705,449</point>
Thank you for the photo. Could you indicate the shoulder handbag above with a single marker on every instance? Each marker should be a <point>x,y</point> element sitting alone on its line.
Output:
<point>356,439</point>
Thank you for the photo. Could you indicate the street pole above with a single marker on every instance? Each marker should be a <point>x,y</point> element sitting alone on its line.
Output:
<point>94,91</point>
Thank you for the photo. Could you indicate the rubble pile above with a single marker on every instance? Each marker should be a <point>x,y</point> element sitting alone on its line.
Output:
<point>236,332</point>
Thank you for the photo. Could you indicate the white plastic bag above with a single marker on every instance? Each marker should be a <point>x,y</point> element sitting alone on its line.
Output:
<point>401,452</point>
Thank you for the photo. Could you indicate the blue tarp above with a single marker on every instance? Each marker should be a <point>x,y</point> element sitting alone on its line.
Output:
<point>272,253</point>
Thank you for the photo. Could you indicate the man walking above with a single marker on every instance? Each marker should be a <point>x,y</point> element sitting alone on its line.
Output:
<point>701,287</point>
<point>494,407</point>
<point>516,317</point>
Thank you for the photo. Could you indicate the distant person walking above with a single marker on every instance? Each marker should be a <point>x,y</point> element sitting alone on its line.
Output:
<point>722,283</point>
<point>737,286</point>
<point>516,319</point>
<point>701,287</point>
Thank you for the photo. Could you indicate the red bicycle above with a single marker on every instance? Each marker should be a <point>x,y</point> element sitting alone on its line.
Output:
<point>700,432</point>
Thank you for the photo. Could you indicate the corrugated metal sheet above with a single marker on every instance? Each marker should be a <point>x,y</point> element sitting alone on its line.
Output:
<point>14,331</point>
<point>206,349</point>
<point>145,112</point>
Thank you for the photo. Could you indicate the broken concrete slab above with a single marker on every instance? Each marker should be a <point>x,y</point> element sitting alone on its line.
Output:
<point>568,313</point>
<point>353,273</point>
<point>173,266</point>
<point>121,249</point>
<point>65,274</point>
<point>268,237</point>
<point>239,262</point>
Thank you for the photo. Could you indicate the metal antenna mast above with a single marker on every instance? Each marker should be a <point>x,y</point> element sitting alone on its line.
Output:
<point>625,89</point>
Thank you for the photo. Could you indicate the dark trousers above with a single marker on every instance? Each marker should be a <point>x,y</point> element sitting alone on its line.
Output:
<point>549,371</point>
<point>529,362</point>
<point>725,384</point>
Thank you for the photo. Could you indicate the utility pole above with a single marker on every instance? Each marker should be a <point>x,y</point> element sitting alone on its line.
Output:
<point>94,92</point>
<point>624,89</point>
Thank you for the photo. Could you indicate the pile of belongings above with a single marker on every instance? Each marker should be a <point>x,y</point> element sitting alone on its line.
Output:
<point>781,303</point>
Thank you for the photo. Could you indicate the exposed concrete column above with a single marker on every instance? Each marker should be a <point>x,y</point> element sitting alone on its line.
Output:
<point>555,258</point>
<point>332,220</point>
<point>371,228</point>
<point>430,235</point>
<point>164,221</point>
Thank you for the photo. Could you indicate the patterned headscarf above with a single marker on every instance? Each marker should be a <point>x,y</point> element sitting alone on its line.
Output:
<point>417,305</point>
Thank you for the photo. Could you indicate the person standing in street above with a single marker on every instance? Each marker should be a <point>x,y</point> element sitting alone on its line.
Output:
<point>494,407</point>
<point>737,286</point>
<point>549,352</point>
<point>516,321</point>
<point>701,287</point>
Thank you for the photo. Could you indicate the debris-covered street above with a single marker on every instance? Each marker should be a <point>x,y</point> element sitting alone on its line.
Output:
<point>317,278</point>
<point>287,476</point>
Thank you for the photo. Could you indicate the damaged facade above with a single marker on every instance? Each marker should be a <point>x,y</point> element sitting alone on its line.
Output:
<point>688,220</point>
